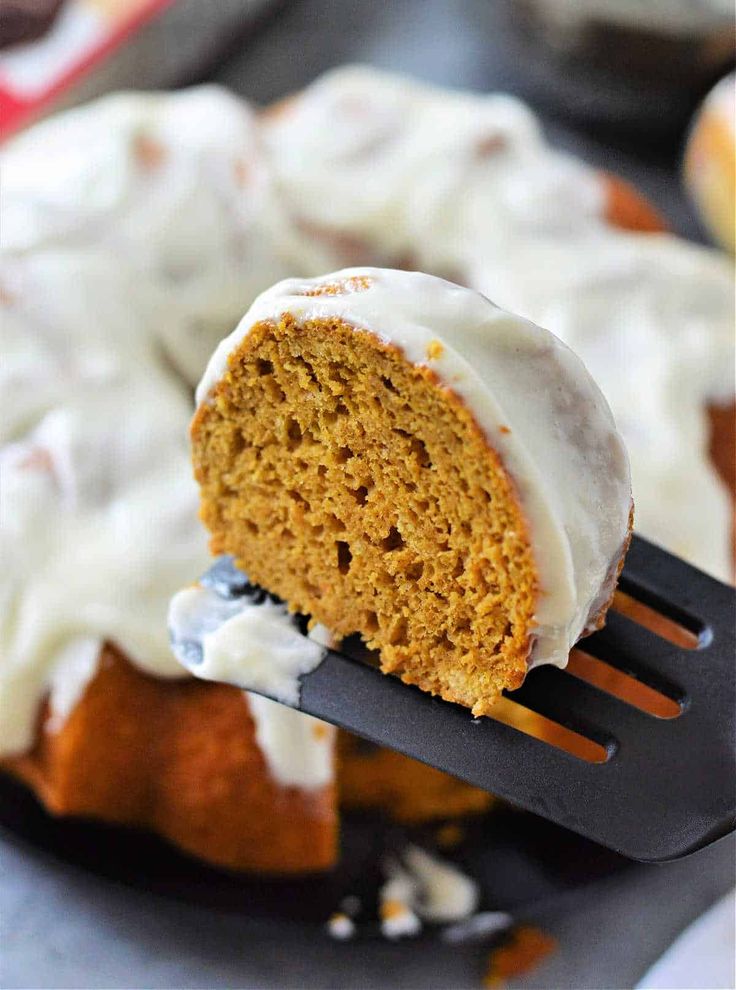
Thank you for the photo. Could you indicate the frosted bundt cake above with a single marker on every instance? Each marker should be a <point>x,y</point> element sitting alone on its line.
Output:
<point>122,268</point>
<point>393,455</point>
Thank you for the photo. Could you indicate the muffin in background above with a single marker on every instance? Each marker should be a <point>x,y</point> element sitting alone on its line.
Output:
<point>710,162</point>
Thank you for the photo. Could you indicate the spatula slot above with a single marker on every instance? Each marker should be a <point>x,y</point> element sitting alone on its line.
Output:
<point>533,724</point>
<point>622,686</point>
<point>662,618</point>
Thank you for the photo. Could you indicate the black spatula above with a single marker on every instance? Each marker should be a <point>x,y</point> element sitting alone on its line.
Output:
<point>664,788</point>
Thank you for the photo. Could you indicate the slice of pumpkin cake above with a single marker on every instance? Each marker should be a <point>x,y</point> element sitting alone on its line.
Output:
<point>395,456</point>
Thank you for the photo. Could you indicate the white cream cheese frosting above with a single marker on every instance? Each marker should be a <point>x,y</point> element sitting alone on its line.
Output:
<point>397,164</point>
<point>254,645</point>
<point>97,503</point>
<point>653,319</point>
<point>122,266</point>
<point>65,330</point>
<point>535,402</point>
<point>98,524</point>
<point>174,186</point>
<point>299,750</point>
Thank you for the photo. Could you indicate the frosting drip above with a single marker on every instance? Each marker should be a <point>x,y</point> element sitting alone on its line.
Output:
<point>255,645</point>
<point>225,629</point>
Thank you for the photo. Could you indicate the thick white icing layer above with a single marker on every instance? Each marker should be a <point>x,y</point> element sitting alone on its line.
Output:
<point>402,166</point>
<point>299,749</point>
<point>97,505</point>
<point>66,331</point>
<point>652,317</point>
<point>174,186</point>
<point>535,402</point>
<point>122,265</point>
<point>254,646</point>
<point>87,508</point>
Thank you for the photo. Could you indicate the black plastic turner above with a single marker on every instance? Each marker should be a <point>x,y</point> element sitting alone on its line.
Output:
<point>668,787</point>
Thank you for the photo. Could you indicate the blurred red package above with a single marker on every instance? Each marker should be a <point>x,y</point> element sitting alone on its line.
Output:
<point>55,53</point>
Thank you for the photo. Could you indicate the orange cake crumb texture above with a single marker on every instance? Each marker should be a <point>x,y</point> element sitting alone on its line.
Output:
<point>520,954</point>
<point>344,480</point>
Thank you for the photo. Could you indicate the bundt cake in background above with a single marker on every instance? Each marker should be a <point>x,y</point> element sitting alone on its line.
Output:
<point>393,455</point>
<point>123,267</point>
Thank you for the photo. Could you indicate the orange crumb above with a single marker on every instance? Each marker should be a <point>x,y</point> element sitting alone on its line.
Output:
<point>519,954</point>
<point>242,172</point>
<point>392,909</point>
<point>504,429</point>
<point>435,350</point>
<point>319,731</point>
<point>358,283</point>
<point>147,152</point>
<point>449,835</point>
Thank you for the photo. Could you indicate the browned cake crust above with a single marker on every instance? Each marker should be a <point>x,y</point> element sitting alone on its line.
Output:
<point>626,209</point>
<point>180,758</point>
<point>722,419</point>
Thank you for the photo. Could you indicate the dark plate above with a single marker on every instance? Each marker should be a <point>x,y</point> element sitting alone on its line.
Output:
<point>89,906</point>
<point>519,860</point>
